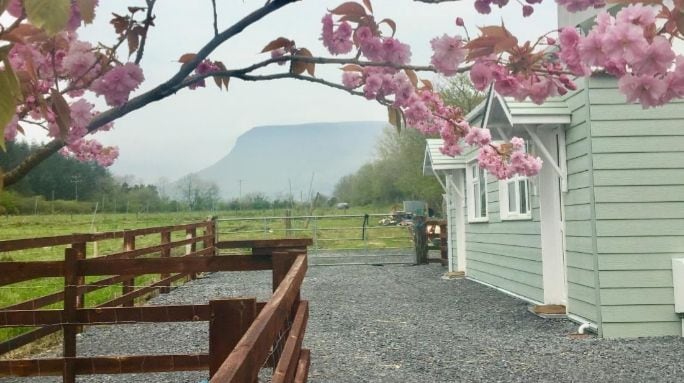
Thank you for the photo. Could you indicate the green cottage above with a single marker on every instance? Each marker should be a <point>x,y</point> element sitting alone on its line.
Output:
<point>599,229</point>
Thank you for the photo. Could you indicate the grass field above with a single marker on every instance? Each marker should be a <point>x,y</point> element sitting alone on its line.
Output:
<point>336,230</point>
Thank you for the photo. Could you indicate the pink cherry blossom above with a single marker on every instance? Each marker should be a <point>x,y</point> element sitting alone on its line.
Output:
<point>637,14</point>
<point>448,54</point>
<point>478,136</point>
<point>352,80</point>
<point>11,129</point>
<point>395,52</point>
<point>117,84</point>
<point>648,90</point>
<point>481,75</point>
<point>657,59</point>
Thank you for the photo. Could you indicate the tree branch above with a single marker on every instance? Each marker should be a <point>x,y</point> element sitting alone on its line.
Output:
<point>148,22</point>
<point>158,93</point>
<point>213,5</point>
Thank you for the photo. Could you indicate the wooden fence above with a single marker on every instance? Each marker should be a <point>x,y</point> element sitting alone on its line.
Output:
<point>244,335</point>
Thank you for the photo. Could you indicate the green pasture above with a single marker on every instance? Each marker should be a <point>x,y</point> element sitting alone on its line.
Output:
<point>335,231</point>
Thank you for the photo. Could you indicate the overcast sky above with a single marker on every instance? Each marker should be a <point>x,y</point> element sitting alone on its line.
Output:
<point>193,129</point>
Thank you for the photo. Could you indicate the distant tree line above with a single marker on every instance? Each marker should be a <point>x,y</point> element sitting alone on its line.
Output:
<point>64,185</point>
<point>396,174</point>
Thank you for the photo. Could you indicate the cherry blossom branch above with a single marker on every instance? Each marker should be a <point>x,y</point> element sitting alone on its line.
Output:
<point>148,21</point>
<point>213,6</point>
<point>160,92</point>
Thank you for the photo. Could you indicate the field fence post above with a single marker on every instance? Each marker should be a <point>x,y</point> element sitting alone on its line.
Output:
<point>288,223</point>
<point>72,301</point>
<point>191,248</point>
<point>128,283</point>
<point>420,239</point>
<point>314,229</point>
<point>214,233</point>
<point>230,319</point>
<point>165,253</point>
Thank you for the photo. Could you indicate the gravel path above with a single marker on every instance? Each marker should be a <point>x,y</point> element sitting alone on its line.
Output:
<point>404,324</point>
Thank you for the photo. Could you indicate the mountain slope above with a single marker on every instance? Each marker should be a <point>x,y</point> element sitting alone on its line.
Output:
<point>268,159</point>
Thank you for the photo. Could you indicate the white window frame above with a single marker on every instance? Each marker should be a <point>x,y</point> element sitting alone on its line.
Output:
<point>504,197</point>
<point>473,215</point>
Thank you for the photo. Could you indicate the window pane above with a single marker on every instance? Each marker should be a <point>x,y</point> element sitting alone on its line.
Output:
<point>483,201</point>
<point>482,177</point>
<point>476,200</point>
<point>523,197</point>
<point>512,197</point>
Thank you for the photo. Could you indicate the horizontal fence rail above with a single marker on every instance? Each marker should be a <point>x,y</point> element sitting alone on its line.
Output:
<point>244,335</point>
<point>343,232</point>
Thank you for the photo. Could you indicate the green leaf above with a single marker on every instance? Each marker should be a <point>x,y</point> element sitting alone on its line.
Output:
<point>50,15</point>
<point>11,93</point>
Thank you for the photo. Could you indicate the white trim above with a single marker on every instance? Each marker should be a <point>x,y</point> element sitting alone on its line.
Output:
<point>459,191</point>
<point>550,160</point>
<point>514,295</point>
<point>473,216</point>
<point>440,181</point>
<point>504,198</point>
<point>554,268</point>
<point>461,260</point>
<point>541,120</point>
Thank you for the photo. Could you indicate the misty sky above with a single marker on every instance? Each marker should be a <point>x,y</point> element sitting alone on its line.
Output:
<point>193,129</point>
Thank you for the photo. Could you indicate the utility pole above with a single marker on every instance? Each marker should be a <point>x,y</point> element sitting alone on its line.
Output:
<point>76,180</point>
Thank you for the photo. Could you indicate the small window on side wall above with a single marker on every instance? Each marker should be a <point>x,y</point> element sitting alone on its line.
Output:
<point>476,180</point>
<point>514,194</point>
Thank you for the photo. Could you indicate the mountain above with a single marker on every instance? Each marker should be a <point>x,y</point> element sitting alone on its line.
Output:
<point>268,159</point>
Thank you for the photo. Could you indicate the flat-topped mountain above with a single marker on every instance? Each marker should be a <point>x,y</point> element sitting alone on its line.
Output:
<point>268,159</point>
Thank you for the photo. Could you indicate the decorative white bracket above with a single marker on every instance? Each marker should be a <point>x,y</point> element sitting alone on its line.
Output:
<point>550,160</point>
<point>455,187</point>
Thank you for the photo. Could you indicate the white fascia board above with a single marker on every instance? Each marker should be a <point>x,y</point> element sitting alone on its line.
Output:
<point>427,162</point>
<point>552,119</point>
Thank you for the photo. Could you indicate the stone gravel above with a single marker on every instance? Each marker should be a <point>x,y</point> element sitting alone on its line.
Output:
<point>400,323</point>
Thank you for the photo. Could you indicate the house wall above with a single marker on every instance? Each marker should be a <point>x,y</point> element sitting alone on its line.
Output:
<point>506,254</point>
<point>580,245</point>
<point>638,176</point>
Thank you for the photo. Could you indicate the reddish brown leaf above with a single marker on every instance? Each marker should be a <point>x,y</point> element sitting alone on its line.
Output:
<point>24,33</point>
<point>494,39</point>
<point>427,84</point>
<point>299,67</point>
<point>120,23</point>
<point>186,58</point>
<point>352,68</point>
<point>21,130</point>
<point>395,117</point>
<point>680,23</point>
<point>349,8</point>
<point>62,113</point>
<point>368,5</point>
<point>390,23</point>
<point>87,10</point>
<point>280,42</point>
<point>221,81</point>
<point>133,41</point>
<point>412,76</point>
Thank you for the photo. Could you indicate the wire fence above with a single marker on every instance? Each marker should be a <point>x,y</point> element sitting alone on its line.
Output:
<point>330,233</point>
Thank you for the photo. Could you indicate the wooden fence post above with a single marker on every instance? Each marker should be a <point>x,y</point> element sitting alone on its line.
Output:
<point>420,239</point>
<point>127,284</point>
<point>71,304</point>
<point>288,223</point>
<point>230,319</point>
<point>165,253</point>
<point>191,248</point>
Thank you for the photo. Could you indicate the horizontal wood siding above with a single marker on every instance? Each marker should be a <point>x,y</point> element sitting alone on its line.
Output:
<point>506,254</point>
<point>579,252</point>
<point>638,162</point>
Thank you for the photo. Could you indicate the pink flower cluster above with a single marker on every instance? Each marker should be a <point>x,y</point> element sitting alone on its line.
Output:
<point>337,40</point>
<point>504,166</point>
<point>449,53</point>
<point>485,6</point>
<point>117,84</point>
<point>625,46</point>
<point>520,86</point>
<point>90,150</point>
<point>206,66</point>
<point>580,5</point>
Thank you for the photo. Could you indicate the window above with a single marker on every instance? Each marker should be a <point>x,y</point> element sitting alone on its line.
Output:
<point>477,193</point>
<point>515,198</point>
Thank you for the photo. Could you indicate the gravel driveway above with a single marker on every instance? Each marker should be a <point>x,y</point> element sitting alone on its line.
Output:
<point>398,323</point>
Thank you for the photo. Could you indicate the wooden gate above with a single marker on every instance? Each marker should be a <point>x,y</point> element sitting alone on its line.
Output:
<point>245,335</point>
